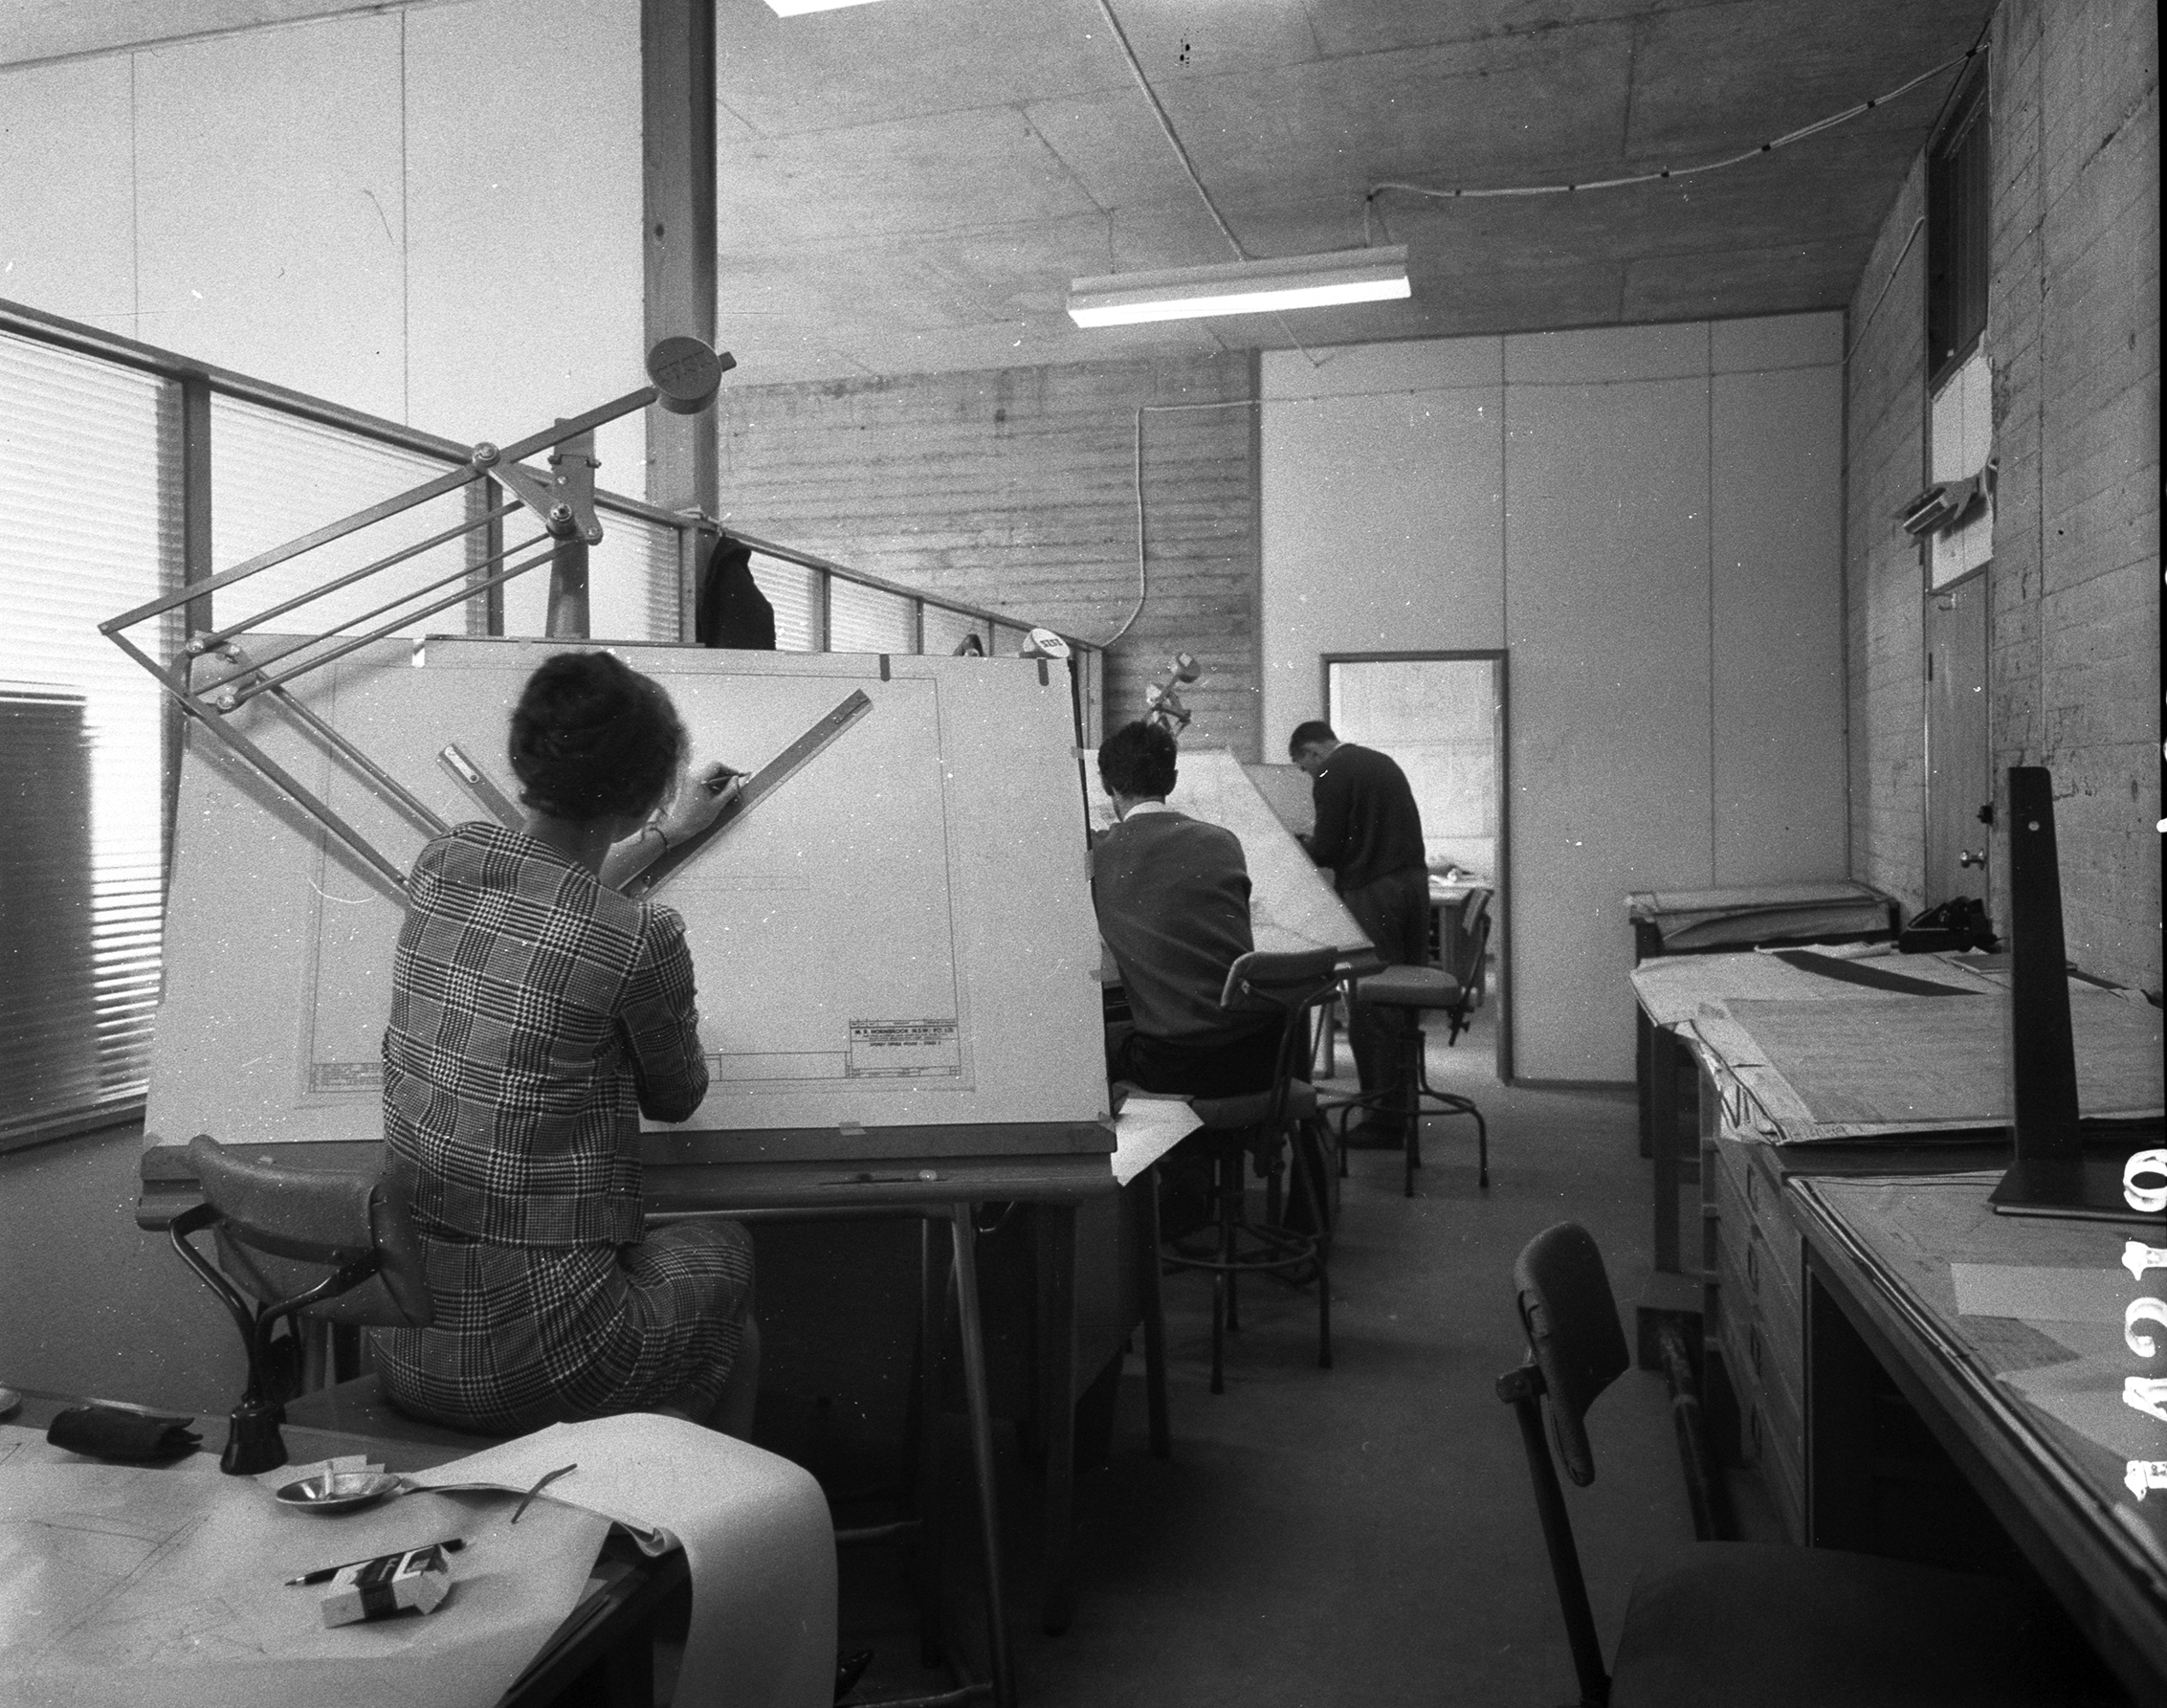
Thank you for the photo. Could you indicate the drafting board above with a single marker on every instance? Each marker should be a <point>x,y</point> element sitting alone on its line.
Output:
<point>1288,790</point>
<point>1292,907</point>
<point>901,934</point>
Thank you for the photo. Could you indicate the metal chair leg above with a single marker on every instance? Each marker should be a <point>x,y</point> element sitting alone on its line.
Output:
<point>1151,1282</point>
<point>976,1394</point>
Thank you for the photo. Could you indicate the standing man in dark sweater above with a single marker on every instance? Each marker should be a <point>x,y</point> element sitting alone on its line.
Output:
<point>1173,901</point>
<point>1369,832</point>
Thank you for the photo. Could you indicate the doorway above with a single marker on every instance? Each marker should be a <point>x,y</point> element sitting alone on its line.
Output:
<point>1442,716</point>
<point>1959,789</point>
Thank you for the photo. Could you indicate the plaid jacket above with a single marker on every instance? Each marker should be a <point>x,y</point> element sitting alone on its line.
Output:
<point>534,1017</point>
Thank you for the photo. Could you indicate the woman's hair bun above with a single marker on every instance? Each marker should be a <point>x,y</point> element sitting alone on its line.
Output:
<point>591,738</point>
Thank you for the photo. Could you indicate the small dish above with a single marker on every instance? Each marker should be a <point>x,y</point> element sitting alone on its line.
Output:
<point>339,1491</point>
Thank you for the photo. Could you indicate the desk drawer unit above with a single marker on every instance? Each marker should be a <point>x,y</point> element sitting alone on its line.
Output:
<point>1753,1315</point>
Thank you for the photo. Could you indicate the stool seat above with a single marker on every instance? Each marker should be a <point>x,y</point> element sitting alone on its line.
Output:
<point>1254,1108</point>
<point>1410,987</point>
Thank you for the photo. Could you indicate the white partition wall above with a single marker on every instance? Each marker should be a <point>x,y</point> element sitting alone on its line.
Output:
<point>1648,520</point>
<point>431,215</point>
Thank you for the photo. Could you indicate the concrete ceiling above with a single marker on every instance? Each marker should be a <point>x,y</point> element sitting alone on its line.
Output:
<point>911,185</point>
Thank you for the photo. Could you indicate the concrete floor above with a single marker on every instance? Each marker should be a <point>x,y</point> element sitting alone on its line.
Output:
<point>1364,1535</point>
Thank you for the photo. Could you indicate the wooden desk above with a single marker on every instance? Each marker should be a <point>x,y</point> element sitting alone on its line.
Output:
<point>1726,922</point>
<point>2030,1410</point>
<point>1673,994</point>
<point>603,1653</point>
<point>1938,1058</point>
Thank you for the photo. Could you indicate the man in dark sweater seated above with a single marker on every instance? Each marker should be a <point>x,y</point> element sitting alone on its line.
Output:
<point>1173,901</point>
<point>1370,832</point>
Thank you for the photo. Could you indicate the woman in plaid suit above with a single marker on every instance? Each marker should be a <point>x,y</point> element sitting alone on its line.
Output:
<point>537,1014</point>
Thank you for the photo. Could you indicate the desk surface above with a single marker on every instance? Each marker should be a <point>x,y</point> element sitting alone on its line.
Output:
<point>123,1574</point>
<point>1822,1057</point>
<point>2010,1329</point>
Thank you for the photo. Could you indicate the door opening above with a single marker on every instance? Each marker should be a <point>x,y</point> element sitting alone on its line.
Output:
<point>1442,717</point>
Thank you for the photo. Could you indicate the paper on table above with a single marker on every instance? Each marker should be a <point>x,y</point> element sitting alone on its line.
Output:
<point>754,1528</point>
<point>2038,1295</point>
<point>123,1585</point>
<point>1146,1129</point>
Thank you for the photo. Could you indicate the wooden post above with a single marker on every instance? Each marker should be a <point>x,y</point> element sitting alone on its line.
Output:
<point>677,206</point>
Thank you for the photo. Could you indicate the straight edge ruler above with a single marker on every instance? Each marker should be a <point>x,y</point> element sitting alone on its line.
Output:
<point>770,777</point>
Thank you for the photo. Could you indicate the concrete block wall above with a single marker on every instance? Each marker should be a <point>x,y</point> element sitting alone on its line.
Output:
<point>2073,338</point>
<point>1884,462</point>
<point>1017,488</point>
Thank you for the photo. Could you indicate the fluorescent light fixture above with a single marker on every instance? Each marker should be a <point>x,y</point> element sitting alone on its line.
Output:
<point>1241,287</point>
<point>790,8</point>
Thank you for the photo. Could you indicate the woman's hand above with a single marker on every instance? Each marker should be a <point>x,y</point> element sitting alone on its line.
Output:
<point>707,790</point>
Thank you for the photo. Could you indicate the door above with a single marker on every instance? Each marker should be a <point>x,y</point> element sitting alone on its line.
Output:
<point>1959,789</point>
<point>1442,717</point>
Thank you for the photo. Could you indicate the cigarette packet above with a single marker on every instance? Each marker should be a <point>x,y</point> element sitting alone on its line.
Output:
<point>414,1582</point>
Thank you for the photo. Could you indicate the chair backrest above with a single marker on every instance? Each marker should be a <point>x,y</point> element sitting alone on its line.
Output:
<point>1575,1349</point>
<point>1570,1317</point>
<point>281,1232</point>
<point>1461,946</point>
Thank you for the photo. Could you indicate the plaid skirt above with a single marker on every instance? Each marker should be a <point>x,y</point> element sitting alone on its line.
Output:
<point>528,1336</point>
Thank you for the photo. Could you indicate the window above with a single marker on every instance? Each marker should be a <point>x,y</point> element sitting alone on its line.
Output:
<point>1958,206</point>
<point>863,619</point>
<point>89,527</point>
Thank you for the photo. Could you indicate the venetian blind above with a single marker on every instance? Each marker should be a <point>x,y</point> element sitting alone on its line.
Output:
<point>89,527</point>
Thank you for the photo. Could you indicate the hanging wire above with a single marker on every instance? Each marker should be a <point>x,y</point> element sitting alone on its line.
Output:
<point>1785,141</point>
<point>1136,476</point>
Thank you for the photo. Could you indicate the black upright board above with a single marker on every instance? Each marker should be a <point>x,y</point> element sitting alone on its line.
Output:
<point>2056,1172</point>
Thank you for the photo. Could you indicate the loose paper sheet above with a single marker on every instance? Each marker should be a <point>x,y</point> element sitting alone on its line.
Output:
<point>127,1585</point>
<point>1146,1129</point>
<point>2039,1294</point>
<point>754,1528</point>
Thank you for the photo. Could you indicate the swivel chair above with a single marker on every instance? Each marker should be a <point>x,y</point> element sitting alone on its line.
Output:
<point>1268,1126</point>
<point>338,1246</point>
<point>1720,1623</point>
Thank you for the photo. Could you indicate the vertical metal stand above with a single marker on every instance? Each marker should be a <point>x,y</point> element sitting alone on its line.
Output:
<point>1056,1264</point>
<point>1150,1285</point>
<point>980,1403</point>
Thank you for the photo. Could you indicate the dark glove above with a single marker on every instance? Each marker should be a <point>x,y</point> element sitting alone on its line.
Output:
<point>134,1438</point>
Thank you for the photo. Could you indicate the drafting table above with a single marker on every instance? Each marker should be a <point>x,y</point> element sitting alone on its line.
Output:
<point>2004,1335</point>
<point>896,949</point>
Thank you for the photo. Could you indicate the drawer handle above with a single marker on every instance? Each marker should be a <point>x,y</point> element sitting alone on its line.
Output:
<point>1752,1347</point>
<point>1753,1267</point>
<point>1753,1427</point>
<point>1753,1189</point>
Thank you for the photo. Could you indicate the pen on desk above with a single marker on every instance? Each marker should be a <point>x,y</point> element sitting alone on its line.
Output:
<point>324,1574</point>
<point>723,777</point>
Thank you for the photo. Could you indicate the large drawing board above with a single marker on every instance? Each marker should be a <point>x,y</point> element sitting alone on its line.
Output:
<point>899,935</point>
<point>1288,790</point>
<point>1292,907</point>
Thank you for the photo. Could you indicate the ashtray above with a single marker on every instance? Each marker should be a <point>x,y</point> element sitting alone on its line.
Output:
<point>339,1491</point>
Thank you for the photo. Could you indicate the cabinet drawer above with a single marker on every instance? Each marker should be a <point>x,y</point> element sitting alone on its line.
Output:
<point>1779,1461</point>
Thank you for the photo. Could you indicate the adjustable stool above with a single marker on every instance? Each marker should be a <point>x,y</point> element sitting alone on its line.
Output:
<point>1290,985</point>
<point>1235,1129</point>
<point>1413,990</point>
